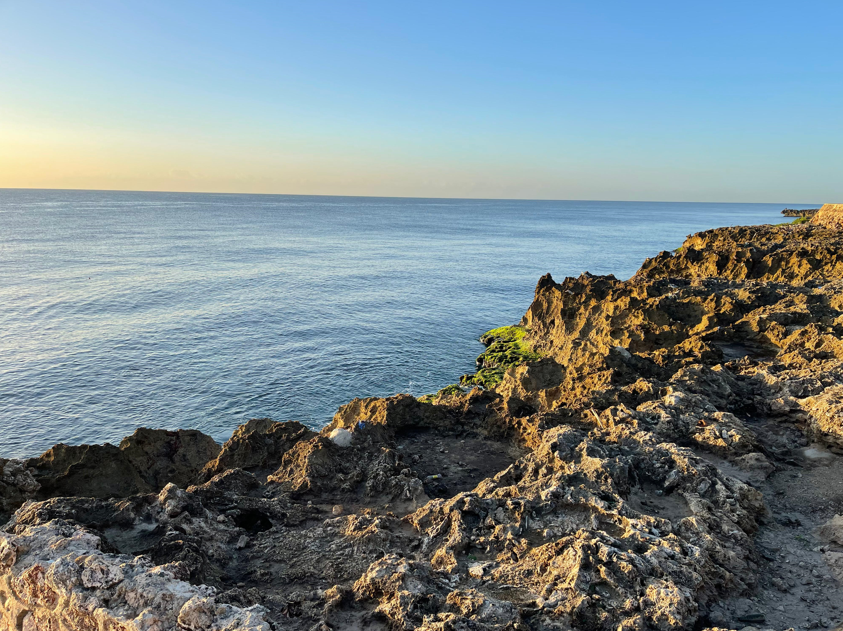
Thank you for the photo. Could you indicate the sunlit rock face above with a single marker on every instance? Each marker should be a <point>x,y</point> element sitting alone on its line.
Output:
<point>670,460</point>
<point>829,216</point>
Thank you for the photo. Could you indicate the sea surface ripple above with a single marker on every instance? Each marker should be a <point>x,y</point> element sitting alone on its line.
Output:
<point>122,309</point>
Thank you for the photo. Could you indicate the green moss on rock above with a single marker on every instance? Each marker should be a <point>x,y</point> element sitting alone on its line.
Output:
<point>506,347</point>
<point>447,391</point>
<point>795,222</point>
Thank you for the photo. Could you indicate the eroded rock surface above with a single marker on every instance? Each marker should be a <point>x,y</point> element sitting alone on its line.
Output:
<point>143,463</point>
<point>257,446</point>
<point>829,216</point>
<point>672,460</point>
<point>770,253</point>
<point>17,485</point>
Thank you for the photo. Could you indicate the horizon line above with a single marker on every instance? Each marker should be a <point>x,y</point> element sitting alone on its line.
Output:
<point>510,199</point>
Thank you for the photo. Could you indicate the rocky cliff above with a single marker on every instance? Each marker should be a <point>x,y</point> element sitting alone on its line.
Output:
<point>667,456</point>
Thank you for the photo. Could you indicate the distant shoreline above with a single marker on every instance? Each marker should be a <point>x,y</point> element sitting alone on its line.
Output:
<point>402,197</point>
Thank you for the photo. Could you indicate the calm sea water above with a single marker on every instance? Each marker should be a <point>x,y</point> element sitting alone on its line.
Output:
<point>120,310</point>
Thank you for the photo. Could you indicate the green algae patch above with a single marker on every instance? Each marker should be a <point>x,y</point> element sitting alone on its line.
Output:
<point>485,377</point>
<point>795,222</point>
<point>447,391</point>
<point>451,390</point>
<point>513,333</point>
<point>506,347</point>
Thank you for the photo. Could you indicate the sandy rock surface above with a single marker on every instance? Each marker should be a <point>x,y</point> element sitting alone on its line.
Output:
<point>673,460</point>
<point>829,216</point>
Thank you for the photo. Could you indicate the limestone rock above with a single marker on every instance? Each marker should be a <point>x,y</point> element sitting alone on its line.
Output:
<point>162,457</point>
<point>832,530</point>
<point>143,463</point>
<point>16,486</point>
<point>87,470</point>
<point>398,412</point>
<point>257,446</point>
<point>771,253</point>
<point>825,415</point>
<point>59,578</point>
<point>829,216</point>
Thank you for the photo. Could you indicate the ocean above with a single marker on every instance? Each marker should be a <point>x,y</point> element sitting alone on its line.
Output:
<point>128,309</point>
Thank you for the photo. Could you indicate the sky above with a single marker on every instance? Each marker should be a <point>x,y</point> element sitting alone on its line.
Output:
<point>675,101</point>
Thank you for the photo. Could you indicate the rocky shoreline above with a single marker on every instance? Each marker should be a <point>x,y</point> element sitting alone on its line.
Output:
<point>800,212</point>
<point>659,453</point>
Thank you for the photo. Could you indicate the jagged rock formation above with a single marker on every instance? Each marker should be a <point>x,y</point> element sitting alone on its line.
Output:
<point>258,446</point>
<point>804,212</point>
<point>672,461</point>
<point>143,463</point>
<point>62,579</point>
<point>829,216</point>
<point>17,485</point>
<point>782,254</point>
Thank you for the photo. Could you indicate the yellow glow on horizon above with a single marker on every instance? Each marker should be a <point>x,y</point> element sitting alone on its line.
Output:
<point>51,156</point>
<point>35,157</point>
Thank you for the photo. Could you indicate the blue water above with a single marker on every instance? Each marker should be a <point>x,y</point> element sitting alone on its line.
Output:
<point>121,309</point>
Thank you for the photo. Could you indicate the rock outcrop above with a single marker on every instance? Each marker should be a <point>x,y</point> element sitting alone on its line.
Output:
<point>829,216</point>
<point>16,486</point>
<point>143,463</point>
<point>783,254</point>
<point>668,456</point>
<point>56,575</point>
<point>802,212</point>
<point>257,446</point>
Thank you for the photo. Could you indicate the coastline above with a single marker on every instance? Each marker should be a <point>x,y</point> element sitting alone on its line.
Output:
<point>79,383</point>
<point>648,464</point>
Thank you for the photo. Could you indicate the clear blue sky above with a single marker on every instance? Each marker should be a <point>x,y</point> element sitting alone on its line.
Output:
<point>717,101</point>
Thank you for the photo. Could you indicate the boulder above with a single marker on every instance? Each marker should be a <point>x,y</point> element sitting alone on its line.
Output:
<point>832,530</point>
<point>162,457</point>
